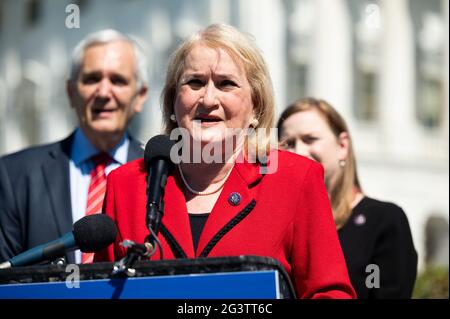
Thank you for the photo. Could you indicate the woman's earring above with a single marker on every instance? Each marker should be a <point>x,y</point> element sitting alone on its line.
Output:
<point>254,123</point>
<point>173,118</point>
<point>342,163</point>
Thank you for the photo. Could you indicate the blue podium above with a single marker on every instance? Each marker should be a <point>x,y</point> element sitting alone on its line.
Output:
<point>242,277</point>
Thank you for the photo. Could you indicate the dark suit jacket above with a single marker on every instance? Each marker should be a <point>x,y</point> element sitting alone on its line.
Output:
<point>35,204</point>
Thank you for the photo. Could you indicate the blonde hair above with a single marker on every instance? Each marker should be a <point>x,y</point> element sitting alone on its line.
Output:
<point>243,50</point>
<point>341,192</point>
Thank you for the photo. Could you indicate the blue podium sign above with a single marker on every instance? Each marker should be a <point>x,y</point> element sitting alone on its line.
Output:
<point>226,285</point>
<point>235,277</point>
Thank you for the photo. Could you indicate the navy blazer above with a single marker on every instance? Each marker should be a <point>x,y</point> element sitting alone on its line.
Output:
<point>35,204</point>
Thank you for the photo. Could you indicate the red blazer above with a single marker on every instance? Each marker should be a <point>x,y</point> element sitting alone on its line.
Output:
<point>285,215</point>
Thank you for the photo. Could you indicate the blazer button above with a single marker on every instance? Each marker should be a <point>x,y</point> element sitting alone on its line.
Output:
<point>234,199</point>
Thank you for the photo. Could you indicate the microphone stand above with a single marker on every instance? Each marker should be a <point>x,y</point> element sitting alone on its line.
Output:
<point>153,221</point>
<point>135,251</point>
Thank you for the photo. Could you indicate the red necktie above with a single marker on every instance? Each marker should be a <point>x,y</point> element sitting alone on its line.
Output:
<point>96,192</point>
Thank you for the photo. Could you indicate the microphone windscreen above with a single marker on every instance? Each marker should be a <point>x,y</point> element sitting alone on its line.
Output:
<point>94,232</point>
<point>158,146</point>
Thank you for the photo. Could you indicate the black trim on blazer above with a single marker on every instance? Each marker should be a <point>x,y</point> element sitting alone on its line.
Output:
<point>174,245</point>
<point>179,252</point>
<point>225,229</point>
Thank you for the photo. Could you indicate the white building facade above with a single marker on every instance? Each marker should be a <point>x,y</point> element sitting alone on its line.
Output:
<point>383,64</point>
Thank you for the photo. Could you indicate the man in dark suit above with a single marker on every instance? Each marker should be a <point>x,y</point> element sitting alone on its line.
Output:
<point>44,189</point>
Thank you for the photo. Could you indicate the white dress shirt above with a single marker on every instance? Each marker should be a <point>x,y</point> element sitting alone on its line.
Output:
<point>80,171</point>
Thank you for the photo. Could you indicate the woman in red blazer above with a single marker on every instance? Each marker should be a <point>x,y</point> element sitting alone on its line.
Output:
<point>273,205</point>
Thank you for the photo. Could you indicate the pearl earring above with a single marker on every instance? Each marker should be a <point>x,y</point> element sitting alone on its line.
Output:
<point>254,123</point>
<point>173,118</point>
<point>342,163</point>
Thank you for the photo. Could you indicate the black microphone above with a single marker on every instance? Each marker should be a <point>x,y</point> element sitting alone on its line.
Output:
<point>158,164</point>
<point>90,234</point>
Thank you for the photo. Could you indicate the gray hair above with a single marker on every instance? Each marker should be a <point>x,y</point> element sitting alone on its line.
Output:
<point>105,37</point>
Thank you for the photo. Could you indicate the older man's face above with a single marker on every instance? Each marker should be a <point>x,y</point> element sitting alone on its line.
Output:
<point>105,95</point>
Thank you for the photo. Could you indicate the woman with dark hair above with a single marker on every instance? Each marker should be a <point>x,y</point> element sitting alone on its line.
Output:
<point>374,235</point>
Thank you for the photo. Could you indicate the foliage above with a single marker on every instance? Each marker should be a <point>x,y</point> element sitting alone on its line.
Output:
<point>432,283</point>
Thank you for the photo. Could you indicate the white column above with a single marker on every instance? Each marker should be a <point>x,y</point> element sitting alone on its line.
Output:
<point>12,67</point>
<point>161,29</point>
<point>445,127</point>
<point>2,115</point>
<point>397,81</point>
<point>57,117</point>
<point>265,20</point>
<point>219,11</point>
<point>56,113</point>
<point>331,69</point>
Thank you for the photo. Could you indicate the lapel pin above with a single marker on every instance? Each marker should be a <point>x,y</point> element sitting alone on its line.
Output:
<point>360,220</point>
<point>234,199</point>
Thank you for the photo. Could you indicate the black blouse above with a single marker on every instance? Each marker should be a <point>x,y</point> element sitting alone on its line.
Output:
<point>378,233</point>
<point>197,222</point>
